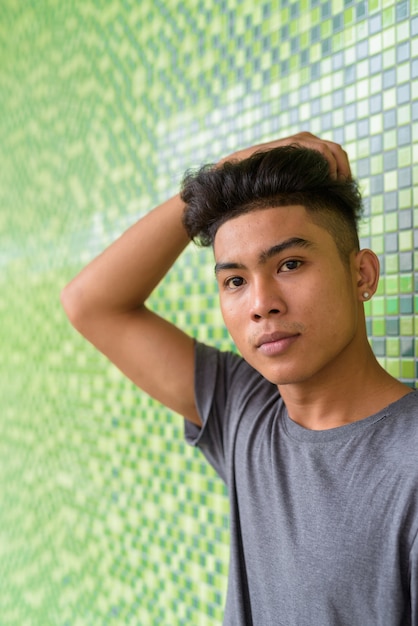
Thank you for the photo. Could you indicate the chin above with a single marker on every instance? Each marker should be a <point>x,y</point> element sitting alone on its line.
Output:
<point>281,377</point>
<point>285,380</point>
<point>285,375</point>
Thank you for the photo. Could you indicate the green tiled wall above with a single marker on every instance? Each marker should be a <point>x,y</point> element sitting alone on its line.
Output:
<point>105,516</point>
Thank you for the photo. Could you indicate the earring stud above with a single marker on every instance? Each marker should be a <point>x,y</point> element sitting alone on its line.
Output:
<point>366,295</point>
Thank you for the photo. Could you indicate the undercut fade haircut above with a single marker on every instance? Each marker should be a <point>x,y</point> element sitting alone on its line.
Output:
<point>283,176</point>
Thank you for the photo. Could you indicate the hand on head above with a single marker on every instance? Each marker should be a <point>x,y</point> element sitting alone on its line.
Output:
<point>336,156</point>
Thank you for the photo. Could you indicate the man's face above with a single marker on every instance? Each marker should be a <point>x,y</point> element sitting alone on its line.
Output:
<point>289,302</point>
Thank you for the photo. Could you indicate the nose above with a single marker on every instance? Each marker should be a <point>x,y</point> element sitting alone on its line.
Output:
<point>266,300</point>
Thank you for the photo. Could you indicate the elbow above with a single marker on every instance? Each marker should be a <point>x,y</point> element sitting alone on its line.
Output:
<point>71,301</point>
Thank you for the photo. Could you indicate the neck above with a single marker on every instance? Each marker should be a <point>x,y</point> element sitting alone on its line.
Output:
<point>343,395</point>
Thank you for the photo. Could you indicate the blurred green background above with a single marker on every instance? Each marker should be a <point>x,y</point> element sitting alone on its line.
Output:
<point>106,517</point>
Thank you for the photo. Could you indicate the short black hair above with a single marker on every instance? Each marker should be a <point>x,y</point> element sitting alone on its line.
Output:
<point>283,176</point>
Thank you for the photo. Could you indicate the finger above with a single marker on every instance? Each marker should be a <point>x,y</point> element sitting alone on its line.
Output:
<point>337,158</point>
<point>339,164</point>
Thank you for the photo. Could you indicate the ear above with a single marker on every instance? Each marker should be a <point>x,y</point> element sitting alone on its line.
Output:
<point>367,272</point>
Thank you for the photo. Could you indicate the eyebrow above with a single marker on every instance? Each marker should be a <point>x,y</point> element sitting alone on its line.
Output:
<point>265,255</point>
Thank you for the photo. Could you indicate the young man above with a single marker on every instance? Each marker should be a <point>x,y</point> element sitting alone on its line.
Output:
<point>315,441</point>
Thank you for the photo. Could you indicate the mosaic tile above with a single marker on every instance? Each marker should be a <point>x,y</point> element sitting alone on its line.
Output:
<point>106,516</point>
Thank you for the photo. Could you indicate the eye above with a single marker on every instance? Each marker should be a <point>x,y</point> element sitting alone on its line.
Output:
<point>234,282</point>
<point>290,265</point>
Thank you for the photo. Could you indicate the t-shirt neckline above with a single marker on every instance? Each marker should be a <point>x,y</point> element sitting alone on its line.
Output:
<point>296,431</point>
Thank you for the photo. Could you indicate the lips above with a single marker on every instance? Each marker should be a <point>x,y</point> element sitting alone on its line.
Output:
<point>272,344</point>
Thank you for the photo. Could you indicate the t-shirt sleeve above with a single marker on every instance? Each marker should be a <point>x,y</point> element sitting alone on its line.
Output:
<point>219,379</point>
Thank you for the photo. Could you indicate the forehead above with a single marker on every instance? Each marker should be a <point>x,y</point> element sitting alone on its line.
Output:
<point>259,229</point>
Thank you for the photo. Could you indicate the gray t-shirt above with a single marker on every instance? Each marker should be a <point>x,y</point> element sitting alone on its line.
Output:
<point>324,524</point>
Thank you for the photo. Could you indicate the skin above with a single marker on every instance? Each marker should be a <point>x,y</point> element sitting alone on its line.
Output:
<point>295,312</point>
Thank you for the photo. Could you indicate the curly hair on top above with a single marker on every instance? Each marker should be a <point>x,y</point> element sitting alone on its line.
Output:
<point>284,176</point>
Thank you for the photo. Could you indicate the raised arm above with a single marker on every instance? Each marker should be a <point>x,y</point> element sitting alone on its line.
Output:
<point>106,301</point>
<point>106,304</point>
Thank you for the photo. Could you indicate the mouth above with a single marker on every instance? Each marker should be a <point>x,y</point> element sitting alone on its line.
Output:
<point>276,343</point>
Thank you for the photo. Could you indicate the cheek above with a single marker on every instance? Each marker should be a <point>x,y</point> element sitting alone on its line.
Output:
<point>230,314</point>
<point>235,317</point>
<point>324,302</point>
<point>332,309</point>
